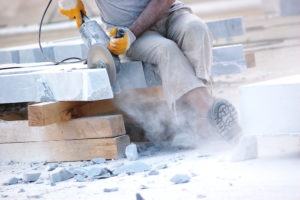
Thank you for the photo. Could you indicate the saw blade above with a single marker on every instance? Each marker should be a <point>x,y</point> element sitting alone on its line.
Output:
<point>99,55</point>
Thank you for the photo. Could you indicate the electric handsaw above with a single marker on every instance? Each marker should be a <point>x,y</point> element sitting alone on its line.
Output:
<point>96,39</point>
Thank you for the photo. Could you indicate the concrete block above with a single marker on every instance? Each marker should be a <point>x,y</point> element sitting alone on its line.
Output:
<point>226,28</point>
<point>271,107</point>
<point>52,85</point>
<point>289,7</point>
<point>31,177</point>
<point>228,60</point>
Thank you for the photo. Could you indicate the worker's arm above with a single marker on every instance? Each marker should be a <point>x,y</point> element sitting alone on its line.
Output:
<point>154,11</point>
<point>73,9</point>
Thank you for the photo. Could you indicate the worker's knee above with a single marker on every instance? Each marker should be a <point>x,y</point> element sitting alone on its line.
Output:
<point>194,28</point>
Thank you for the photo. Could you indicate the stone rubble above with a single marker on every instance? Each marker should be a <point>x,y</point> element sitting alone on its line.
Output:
<point>52,166</point>
<point>134,167</point>
<point>115,189</point>
<point>139,196</point>
<point>31,177</point>
<point>98,160</point>
<point>131,152</point>
<point>11,181</point>
<point>180,178</point>
<point>153,173</point>
<point>60,175</point>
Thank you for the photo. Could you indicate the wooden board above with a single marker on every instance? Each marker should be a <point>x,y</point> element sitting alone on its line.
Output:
<point>43,114</point>
<point>69,150</point>
<point>82,128</point>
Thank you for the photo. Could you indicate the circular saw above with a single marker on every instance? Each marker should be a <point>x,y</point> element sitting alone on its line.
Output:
<point>100,57</point>
<point>97,40</point>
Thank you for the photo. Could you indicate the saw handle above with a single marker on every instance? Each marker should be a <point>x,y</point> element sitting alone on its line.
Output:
<point>120,33</point>
<point>84,17</point>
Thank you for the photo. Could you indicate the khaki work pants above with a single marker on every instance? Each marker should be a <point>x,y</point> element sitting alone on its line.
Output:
<point>180,46</point>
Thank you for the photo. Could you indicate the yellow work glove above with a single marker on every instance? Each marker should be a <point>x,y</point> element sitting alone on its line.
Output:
<point>72,9</point>
<point>119,46</point>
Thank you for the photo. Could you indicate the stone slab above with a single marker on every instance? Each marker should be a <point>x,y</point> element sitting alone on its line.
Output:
<point>271,107</point>
<point>289,7</point>
<point>55,85</point>
<point>228,60</point>
<point>226,28</point>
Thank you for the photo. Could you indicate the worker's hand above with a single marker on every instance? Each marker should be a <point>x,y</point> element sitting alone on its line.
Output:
<point>120,45</point>
<point>72,9</point>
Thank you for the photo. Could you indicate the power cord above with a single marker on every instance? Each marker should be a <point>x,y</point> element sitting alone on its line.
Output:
<point>41,48</point>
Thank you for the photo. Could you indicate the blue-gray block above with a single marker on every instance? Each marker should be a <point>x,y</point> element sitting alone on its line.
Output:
<point>228,60</point>
<point>226,28</point>
<point>289,7</point>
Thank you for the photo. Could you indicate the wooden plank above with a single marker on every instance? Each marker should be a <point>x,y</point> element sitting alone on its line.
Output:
<point>69,150</point>
<point>82,128</point>
<point>43,114</point>
<point>48,113</point>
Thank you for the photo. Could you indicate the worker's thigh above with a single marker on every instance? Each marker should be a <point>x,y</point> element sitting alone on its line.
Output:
<point>177,74</point>
<point>194,39</point>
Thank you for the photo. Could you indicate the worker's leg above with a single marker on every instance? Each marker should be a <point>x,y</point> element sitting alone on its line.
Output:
<point>193,38</point>
<point>177,74</point>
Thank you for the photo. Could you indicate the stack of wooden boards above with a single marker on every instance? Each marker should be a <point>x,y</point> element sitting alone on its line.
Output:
<point>78,139</point>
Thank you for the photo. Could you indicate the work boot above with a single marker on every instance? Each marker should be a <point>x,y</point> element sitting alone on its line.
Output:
<point>223,117</point>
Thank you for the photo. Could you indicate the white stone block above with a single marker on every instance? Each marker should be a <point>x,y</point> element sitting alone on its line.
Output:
<point>271,107</point>
<point>55,85</point>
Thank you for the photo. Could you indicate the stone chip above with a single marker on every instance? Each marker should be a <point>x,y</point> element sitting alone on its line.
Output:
<point>180,178</point>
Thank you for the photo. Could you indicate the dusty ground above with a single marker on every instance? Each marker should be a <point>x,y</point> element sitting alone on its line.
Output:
<point>273,175</point>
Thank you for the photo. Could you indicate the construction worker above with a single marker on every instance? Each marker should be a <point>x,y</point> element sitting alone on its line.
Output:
<point>167,34</point>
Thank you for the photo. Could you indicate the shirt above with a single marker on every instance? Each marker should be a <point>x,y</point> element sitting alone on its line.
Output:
<point>125,12</point>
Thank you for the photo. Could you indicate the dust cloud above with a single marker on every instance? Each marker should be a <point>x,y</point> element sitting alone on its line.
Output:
<point>161,125</point>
